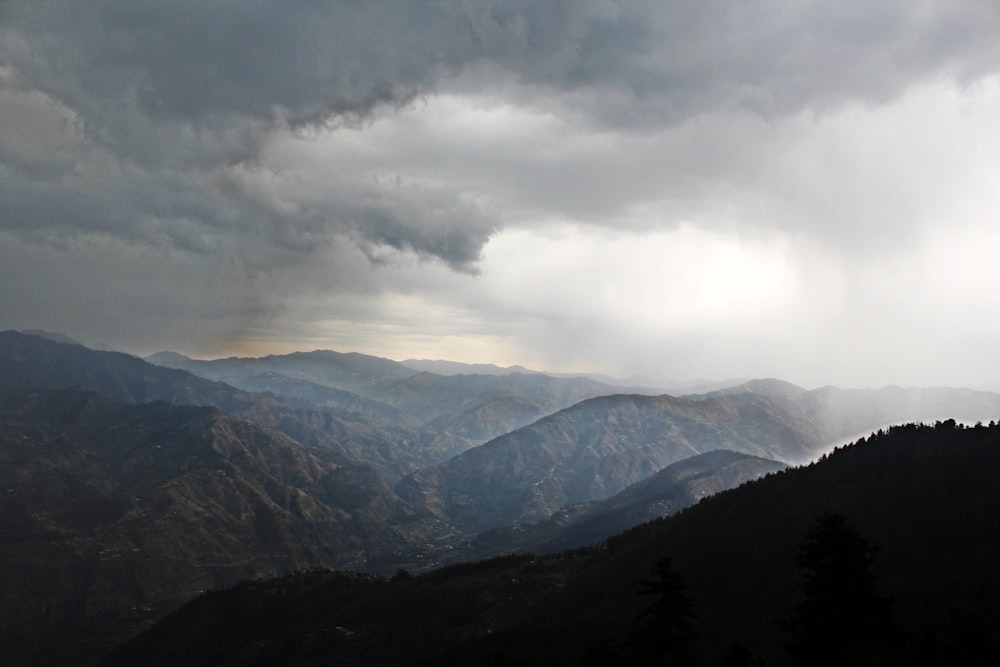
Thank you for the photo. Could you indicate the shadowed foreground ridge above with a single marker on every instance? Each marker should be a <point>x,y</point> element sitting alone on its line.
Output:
<point>924,497</point>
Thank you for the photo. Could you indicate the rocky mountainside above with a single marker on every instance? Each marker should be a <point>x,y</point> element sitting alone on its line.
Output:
<point>598,447</point>
<point>112,513</point>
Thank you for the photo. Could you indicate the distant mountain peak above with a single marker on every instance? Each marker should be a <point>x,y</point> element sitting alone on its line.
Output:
<point>770,387</point>
<point>166,358</point>
<point>774,386</point>
<point>444,367</point>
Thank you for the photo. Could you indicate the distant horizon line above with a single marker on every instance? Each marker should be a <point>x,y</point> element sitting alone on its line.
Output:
<point>634,380</point>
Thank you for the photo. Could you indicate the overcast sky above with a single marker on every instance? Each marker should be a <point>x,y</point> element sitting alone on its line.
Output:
<point>682,190</point>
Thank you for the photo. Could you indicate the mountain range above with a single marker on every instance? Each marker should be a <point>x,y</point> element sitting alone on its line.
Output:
<point>447,413</point>
<point>909,513</point>
<point>130,486</point>
<point>600,446</point>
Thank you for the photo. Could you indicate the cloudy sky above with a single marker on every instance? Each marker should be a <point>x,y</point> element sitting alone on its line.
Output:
<point>804,190</point>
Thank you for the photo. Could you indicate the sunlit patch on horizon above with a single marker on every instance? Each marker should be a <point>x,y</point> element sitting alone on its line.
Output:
<point>672,281</point>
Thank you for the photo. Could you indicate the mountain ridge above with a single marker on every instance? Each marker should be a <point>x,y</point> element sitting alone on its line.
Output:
<point>595,448</point>
<point>29,362</point>
<point>670,490</point>
<point>450,413</point>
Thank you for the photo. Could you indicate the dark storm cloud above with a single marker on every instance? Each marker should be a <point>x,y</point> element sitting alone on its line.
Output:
<point>208,63</point>
<point>666,62</point>
<point>175,88</point>
<point>239,161</point>
<point>125,67</point>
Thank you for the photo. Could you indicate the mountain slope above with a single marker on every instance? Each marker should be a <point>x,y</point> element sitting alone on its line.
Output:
<point>594,450</point>
<point>670,490</point>
<point>114,513</point>
<point>598,447</point>
<point>341,399</point>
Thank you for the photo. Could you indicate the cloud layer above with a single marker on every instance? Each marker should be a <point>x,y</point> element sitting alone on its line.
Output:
<point>684,189</point>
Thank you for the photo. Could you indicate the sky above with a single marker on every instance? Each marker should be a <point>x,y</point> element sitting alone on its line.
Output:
<point>677,190</point>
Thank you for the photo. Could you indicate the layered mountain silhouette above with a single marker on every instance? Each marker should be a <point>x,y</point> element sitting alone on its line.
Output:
<point>666,492</point>
<point>451,412</point>
<point>918,501</point>
<point>128,487</point>
<point>29,362</point>
<point>598,447</point>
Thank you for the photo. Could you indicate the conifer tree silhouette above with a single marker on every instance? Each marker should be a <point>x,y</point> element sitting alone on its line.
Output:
<point>667,637</point>
<point>842,620</point>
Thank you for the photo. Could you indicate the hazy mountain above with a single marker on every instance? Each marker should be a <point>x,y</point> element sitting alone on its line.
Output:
<point>856,410</point>
<point>594,450</point>
<point>924,497</point>
<point>637,384</point>
<point>113,513</point>
<point>451,412</point>
<point>169,359</point>
<point>598,447</point>
<point>848,413</point>
<point>281,385</point>
<point>29,362</point>
<point>359,373</point>
<point>480,407</point>
<point>771,387</point>
<point>443,367</point>
<point>670,490</point>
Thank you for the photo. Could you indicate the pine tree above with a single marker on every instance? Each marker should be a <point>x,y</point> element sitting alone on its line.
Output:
<point>667,636</point>
<point>842,620</point>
